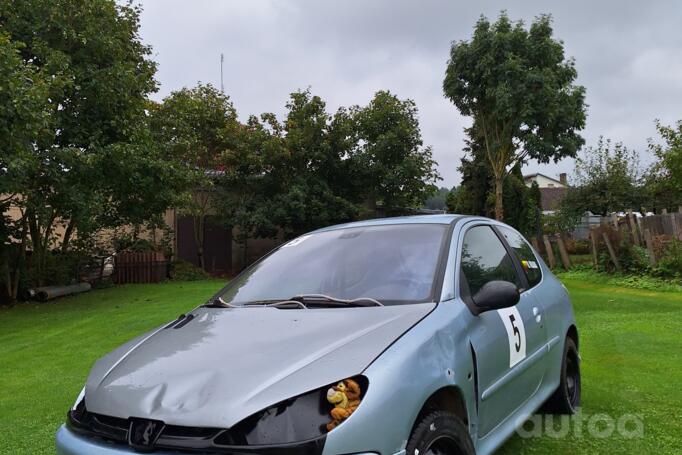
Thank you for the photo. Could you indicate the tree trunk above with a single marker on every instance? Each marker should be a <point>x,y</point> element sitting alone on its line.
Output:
<point>14,269</point>
<point>37,254</point>
<point>245,253</point>
<point>499,208</point>
<point>202,261</point>
<point>9,284</point>
<point>67,236</point>
<point>199,239</point>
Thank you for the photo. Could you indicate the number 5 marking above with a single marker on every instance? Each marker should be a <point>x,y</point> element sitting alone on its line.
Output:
<point>516,334</point>
<point>517,346</point>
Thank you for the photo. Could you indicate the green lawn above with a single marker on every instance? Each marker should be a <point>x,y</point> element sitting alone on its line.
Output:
<point>631,349</point>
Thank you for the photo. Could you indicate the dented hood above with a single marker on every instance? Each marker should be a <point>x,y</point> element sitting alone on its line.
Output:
<point>227,364</point>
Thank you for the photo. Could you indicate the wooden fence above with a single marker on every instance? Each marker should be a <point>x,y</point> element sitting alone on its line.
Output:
<point>669,224</point>
<point>651,232</point>
<point>547,249</point>
<point>144,267</point>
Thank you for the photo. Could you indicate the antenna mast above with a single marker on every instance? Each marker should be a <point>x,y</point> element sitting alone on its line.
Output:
<point>222,86</point>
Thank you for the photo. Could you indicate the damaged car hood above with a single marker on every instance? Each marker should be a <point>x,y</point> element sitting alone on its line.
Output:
<point>227,364</point>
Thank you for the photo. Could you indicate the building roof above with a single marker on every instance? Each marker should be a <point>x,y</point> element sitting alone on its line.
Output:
<point>530,176</point>
<point>551,198</point>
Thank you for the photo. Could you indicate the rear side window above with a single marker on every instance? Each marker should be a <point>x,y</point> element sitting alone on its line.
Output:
<point>484,259</point>
<point>525,255</point>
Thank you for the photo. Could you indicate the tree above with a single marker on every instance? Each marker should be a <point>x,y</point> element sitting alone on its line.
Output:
<point>247,185</point>
<point>99,76</point>
<point>663,182</point>
<point>476,195</point>
<point>23,119</point>
<point>451,200</point>
<point>535,202</point>
<point>391,164</point>
<point>606,179</point>
<point>438,200</point>
<point>315,169</point>
<point>475,191</point>
<point>520,207</point>
<point>519,89</point>
<point>196,126</point>
<point>310,175</point>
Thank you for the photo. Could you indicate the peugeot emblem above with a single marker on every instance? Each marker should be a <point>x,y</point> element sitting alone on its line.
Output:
<point>143,433</point>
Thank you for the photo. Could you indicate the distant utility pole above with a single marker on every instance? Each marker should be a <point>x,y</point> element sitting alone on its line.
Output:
<point>222,59</point>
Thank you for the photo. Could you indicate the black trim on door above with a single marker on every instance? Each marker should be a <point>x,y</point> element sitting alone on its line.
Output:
<point>523,279</point>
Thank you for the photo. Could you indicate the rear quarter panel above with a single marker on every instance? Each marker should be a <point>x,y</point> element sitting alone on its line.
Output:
<point>559,317</point>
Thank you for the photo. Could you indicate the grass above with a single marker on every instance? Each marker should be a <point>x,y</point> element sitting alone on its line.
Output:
<point>630,340</point>
<point>46,351</point>
<point>631,353</point>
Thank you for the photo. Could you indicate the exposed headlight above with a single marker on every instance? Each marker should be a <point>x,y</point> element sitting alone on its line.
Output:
<point>301,418</point>
<point>81,397</point>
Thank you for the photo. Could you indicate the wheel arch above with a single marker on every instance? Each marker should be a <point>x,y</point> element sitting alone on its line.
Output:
<point>572,333</point>
<point>448,398</point>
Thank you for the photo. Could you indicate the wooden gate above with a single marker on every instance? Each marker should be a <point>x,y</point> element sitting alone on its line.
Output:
<point>143,267</point>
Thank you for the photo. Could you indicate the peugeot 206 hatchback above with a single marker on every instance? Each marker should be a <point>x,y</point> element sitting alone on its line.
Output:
<point>418,335</point>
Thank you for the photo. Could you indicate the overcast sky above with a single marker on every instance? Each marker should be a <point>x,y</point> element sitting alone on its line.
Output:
<point>628,55</point>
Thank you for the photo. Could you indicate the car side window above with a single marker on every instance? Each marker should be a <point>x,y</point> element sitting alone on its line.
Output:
<point>524,254</point>
<point>484,258</point>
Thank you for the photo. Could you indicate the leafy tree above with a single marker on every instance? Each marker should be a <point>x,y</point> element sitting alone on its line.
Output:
<point>196,127</point>
<point>391,165</point>
<point>93,171</point>
<point>476,194</point>
<point>519,89</point>
<point>451,200</point>
<point>438,200</point>
<point>315,169</point>
<point>307,175</point>
<point>521,209</point>
<point>247,184</point>
<point>606,179</point>
<point>663,182</point>
<point>23,120</point>
<point>535,203</point>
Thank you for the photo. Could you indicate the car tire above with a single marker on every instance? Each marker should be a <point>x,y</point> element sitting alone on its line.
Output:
<point>440,433</point>
<point>566,398</point>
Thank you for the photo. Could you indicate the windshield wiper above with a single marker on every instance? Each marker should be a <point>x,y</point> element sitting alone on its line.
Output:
<point>322,299</point>
<point>305,301</point>
<point>277,303</point>
<point>218,302</point>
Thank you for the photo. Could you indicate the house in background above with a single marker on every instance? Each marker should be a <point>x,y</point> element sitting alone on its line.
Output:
<point>545,181</point>
<point>552,191</point>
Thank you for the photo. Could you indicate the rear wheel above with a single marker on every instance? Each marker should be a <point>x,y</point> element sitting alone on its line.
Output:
<point>566,398</point>
<point>440,433</point>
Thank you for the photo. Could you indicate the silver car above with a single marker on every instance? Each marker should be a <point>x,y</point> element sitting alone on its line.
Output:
<point>417,335</point>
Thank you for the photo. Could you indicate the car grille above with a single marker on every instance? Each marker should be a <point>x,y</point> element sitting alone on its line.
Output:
<point>181,438</point>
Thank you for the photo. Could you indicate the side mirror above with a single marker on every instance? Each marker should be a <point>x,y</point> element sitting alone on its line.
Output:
<point>495,295</point>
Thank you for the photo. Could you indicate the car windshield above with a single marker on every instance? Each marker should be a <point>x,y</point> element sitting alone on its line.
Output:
<point>390,263</point>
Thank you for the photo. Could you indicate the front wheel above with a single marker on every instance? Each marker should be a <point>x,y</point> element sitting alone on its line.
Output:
<point>440,433</point>
<point>566,398</point>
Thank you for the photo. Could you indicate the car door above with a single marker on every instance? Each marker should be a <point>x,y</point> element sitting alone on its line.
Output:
<point>504,343</point>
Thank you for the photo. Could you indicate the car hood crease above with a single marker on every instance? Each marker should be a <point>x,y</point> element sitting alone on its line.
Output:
<point>227,364</point>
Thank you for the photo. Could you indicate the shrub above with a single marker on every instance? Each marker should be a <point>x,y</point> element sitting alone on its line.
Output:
<point>578,246</point>
<point>643,282</point>
<point>633,259</point>
<point>670,263</point>
<point>185,271</point>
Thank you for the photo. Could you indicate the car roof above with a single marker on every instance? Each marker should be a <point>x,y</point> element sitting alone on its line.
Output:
<point>415,219</point>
